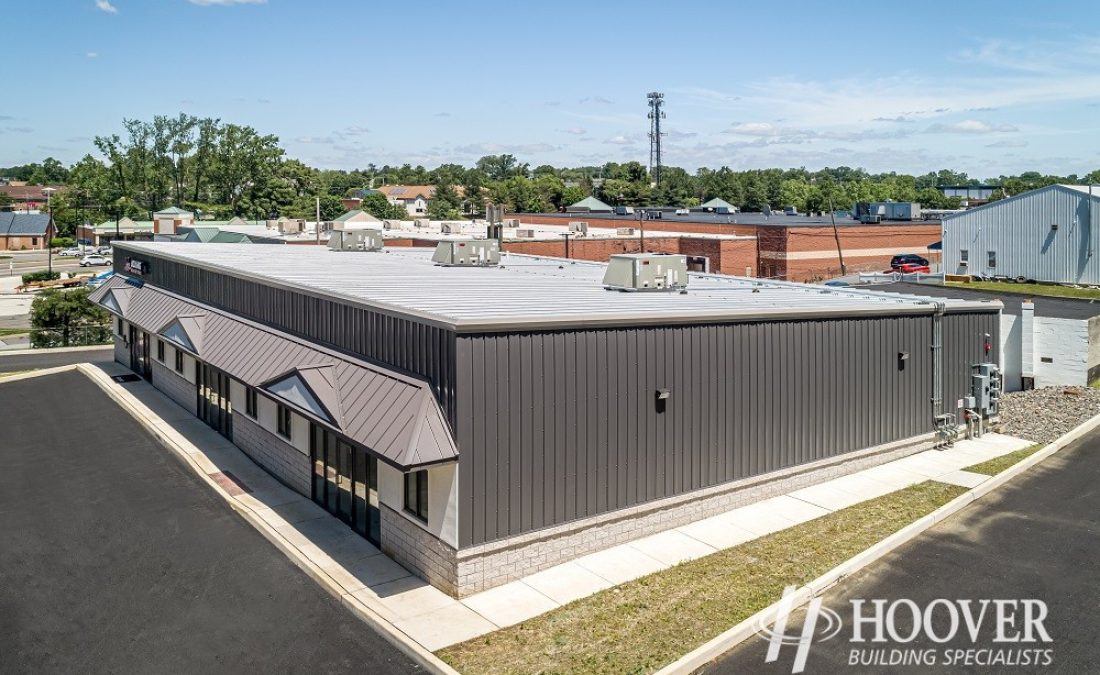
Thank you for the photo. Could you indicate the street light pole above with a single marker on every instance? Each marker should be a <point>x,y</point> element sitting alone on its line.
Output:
<point>49,225</point>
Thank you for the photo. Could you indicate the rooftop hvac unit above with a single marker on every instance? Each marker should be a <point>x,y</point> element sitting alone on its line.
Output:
<point>355,240</point>
<point>625,231</point>
<point>422,222</point>
<point>512,222</point>
<point>467,253</point>
<point>870,219</point>
<point>525,234</point>
<point>578,226</point>
<point>451,228</point>
<point>646,272</point>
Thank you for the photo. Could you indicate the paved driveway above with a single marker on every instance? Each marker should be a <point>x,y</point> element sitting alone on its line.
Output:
<point>115,558</point>
<point>1038,537</point>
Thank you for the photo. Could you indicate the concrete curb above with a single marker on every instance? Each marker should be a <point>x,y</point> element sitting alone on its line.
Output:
<point>716,647</point>
<point>34,373</point>
<point>54,350</point>
<point>427,660</point>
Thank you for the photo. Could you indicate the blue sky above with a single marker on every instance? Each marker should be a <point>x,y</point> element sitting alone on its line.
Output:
<point>983,87</point>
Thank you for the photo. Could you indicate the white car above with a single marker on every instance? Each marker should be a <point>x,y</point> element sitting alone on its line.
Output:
<point>69,253</point>
<point>94,260</point>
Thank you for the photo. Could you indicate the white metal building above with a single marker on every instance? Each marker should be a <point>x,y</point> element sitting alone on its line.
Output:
<point>1047,234</point>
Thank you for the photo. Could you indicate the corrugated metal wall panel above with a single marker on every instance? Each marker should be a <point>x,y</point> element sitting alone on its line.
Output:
<point>1019,231</point>
<point>963,346</point>
<point>558,426</point>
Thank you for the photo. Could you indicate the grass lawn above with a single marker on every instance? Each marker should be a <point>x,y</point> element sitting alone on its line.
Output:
<point>996,465</point>
<point>1031,289</point>
<point>13,331</point>
<point>645,624</point>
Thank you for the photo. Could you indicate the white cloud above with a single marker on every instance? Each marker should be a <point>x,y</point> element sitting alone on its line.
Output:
<point>226,3</point>
<point>106,6</point>
<point>576,131</point>
<point>619,140</point>
<point>498,148</point>
<point>970,127</point>
<point>92,55</point>
<point>1006,143</point>
<point>596,99</point>
<point>754,129</point>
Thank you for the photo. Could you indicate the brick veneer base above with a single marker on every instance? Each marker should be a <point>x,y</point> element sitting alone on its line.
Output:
<point>275,455</point>
<point>486,566</point>
<point>419,551</point>
<point>174,386</point>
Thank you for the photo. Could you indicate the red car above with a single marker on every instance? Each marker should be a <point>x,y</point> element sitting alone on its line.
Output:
<point>909,263</point>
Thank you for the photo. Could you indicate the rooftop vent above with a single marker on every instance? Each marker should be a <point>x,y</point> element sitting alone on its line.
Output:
<point>646,272</point>
<point>355,240</point>
<point>578,226</point>
<point>467,253</point>
<point>625,231</point>
<point>525,234</point>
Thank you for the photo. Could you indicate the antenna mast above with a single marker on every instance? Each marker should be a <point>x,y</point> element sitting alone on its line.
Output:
<point>656,100</point>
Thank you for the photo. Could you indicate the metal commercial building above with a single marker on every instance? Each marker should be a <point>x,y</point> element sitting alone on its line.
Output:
<point>1047,234</point>
<point>499,420</point>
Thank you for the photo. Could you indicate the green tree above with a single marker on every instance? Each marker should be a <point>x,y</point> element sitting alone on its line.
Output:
<point>61,318</point>
<point>445,204</point>
<point>376,204</point>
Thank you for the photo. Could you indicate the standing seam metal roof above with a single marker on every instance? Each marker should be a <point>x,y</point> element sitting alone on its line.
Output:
<point>395,416</point>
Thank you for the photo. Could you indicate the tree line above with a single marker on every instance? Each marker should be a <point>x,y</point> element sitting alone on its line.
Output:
<point>220,170</point>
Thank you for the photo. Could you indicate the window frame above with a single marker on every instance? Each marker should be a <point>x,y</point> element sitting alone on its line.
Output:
<point>283,425</point>
<point>416,494</point>
<point>179,361</point>
<point>121,332</point>
<point>964,255</point>
<point>251,404</point>
<point>160,350</point>
<point>991,260</point>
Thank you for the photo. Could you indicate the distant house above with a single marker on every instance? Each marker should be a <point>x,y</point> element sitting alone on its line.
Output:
<point>415,198</point>
<point>589,205</point>
<point>25,231</point>
<point>28,197</point>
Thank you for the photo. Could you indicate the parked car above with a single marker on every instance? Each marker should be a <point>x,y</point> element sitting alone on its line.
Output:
<point>94,260</point>
<point>104,250</point>
<point>683,212</point>
<point>69,253</point>
<point>909,263</point>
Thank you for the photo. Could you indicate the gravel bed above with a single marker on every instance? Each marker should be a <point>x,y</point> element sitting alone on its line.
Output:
<point>1042,415</point>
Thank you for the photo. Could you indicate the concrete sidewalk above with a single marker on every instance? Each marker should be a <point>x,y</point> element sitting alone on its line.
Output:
<point>379,589</point>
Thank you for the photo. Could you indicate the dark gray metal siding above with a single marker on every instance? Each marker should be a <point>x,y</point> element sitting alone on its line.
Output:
<point>556,426</point>
<point>964,345</point>
<point>408,346</point>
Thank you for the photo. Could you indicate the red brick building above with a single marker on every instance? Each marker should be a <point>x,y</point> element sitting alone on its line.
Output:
<point>793,248</point>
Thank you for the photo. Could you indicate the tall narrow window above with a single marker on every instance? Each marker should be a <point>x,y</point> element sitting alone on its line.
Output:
<point>416,494</point>
<point>160,351</point>
<point>120,327</point>
<point>992,259</point>
<point>179,362</point>
<point>964,255</point>
<point>250,402</point>
<point>283,422</point>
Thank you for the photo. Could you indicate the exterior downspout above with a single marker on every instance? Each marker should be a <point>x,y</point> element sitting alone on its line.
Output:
<point>937,359</point>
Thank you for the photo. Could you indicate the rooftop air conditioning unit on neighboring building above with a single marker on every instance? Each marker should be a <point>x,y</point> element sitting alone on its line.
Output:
<point>525,234</point>
<point>625,231</point>
<point>512,222</point>
<point>355,240</point>
<point>578,226</point>
<point>422,222</point>
<point>467,253</point>
<point>646,272</point>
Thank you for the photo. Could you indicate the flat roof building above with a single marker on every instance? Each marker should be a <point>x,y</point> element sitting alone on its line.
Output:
<point>483,423</point>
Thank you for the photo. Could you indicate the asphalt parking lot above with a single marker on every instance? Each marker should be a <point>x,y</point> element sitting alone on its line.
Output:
<point>115,558</point>
<point>1036,538</point>
<point>47,358</point>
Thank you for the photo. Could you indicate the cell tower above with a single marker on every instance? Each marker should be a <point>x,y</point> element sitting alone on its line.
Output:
<point>656,100</point>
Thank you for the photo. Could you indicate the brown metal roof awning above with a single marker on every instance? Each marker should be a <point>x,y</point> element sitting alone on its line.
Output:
<point>394,416</point>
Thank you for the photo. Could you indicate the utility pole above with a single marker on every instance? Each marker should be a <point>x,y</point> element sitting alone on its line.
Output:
<point>836,235</point>
<point>656,100</point>
<point>49,244</point>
